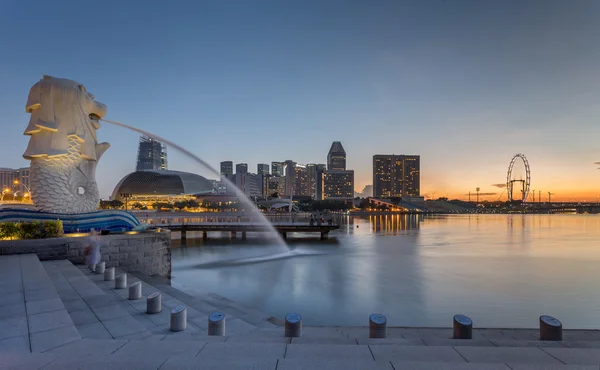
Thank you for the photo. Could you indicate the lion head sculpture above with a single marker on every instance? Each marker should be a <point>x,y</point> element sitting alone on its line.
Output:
<point>63,147</point>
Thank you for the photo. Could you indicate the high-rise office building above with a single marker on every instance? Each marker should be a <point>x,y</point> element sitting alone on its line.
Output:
<point>313,177</point>
<point>301,185</point>
<point>15,180</point>
<point>336,158</point>
<point>226,168</point>
<point>396,175</point>
<point>241,168</point>
<point>275,185</point>
<point>152,155</point>
<point>290,177</point>
<point>262,169</point>
<point>336,185</point>
<point>277,168</point>
<point>250,184</point>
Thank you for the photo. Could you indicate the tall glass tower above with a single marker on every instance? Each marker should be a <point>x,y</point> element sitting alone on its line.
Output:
<point>336,159</point>
<point>152,155</point>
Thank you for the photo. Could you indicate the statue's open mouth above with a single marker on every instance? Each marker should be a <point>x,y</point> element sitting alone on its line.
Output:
<point>94,116</point>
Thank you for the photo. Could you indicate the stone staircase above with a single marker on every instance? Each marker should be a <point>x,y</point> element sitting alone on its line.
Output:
<point>59,316</point>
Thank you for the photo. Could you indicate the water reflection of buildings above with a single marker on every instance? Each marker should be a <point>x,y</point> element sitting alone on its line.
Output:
<point>395,223</point>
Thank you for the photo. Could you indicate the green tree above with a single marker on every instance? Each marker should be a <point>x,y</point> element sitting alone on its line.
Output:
<point>192,203</point>
<point>116,204</point>
<point>180,205</point>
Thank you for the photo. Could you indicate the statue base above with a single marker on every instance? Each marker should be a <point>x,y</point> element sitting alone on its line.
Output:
<point>113,221</point>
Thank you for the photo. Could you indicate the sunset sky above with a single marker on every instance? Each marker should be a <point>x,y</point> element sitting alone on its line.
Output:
<point>464,84</point>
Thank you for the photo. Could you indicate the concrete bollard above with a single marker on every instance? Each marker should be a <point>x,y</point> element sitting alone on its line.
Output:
<point>550,328</point>
<point>109,274</point>
<point>377,326</point>
<point>462,327</point>
<point>293,325</point>
<point>135,291</point>
<point>121,281</point>
<point>154,303</point>
<point>179,318</point>
<point>216,324</point>
<point>100,268</point>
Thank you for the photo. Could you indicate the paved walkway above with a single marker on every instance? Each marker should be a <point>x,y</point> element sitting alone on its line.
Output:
<point>57,316</point>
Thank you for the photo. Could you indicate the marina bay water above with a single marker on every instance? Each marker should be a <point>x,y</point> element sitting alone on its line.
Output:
<point>501,270</point>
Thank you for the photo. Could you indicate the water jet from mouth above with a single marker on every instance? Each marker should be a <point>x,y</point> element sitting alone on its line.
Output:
<point>272,234</point>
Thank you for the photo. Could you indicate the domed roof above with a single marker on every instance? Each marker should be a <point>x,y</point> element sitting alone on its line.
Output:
<point>162,182</point>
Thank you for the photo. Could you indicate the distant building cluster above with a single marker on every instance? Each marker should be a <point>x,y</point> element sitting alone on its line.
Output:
<point>331,181</point>
<point>15,180</point>
<point>152,155</point>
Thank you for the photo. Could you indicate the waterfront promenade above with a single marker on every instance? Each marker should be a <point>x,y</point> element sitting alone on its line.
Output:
<point>55,315</point>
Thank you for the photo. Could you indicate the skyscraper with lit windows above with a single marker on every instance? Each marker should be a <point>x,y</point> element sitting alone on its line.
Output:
<point>396,175</point>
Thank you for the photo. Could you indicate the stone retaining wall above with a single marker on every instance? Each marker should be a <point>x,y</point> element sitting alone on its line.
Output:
<point>146,252</point>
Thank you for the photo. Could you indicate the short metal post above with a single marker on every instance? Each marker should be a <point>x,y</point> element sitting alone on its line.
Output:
<point>293,325</point>
<point>109,274</point>
<point>121,281</point>
<point>550,328</point>
<point>462,327</point>
<point>100,268</point>
<point>216,324</point>
<point>154,303</point>
<point>135,291</point>
<point>179,318</point>
<point>377,326</point>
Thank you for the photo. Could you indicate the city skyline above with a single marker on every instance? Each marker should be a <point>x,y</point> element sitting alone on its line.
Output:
<point>466,85</point>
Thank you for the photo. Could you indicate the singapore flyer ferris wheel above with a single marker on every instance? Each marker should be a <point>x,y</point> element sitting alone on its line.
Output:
<point>520,192</point>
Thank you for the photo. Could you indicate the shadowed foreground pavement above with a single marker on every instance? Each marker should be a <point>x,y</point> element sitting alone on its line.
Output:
<point>54,315</point>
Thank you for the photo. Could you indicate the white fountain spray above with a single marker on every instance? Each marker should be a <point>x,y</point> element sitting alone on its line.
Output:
<point>272,234</point>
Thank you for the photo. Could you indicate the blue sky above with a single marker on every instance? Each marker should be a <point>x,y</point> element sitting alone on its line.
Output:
<point>465,84</point>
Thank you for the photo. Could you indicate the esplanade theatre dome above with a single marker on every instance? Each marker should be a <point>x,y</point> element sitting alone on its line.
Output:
<point>162,183</point>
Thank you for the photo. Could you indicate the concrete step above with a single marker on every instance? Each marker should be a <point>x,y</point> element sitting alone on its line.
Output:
<point>101,312</point>
<point>217,355</point>
<point>32,316</point>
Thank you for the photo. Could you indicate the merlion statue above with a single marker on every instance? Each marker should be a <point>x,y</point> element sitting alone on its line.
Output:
<point>63,148</point>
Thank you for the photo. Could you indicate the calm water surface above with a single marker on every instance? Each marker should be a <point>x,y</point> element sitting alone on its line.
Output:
<point>502,270</point>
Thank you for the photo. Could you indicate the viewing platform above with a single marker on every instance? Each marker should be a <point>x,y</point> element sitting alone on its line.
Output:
<point>245,227</point>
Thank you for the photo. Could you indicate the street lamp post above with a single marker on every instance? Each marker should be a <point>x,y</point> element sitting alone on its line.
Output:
<point>4,192</point>
<point>26,195</point>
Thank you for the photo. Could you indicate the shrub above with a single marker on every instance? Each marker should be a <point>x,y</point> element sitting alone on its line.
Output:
<point>8,230</point>
<point>31,230</point>
<point>53,229</point>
